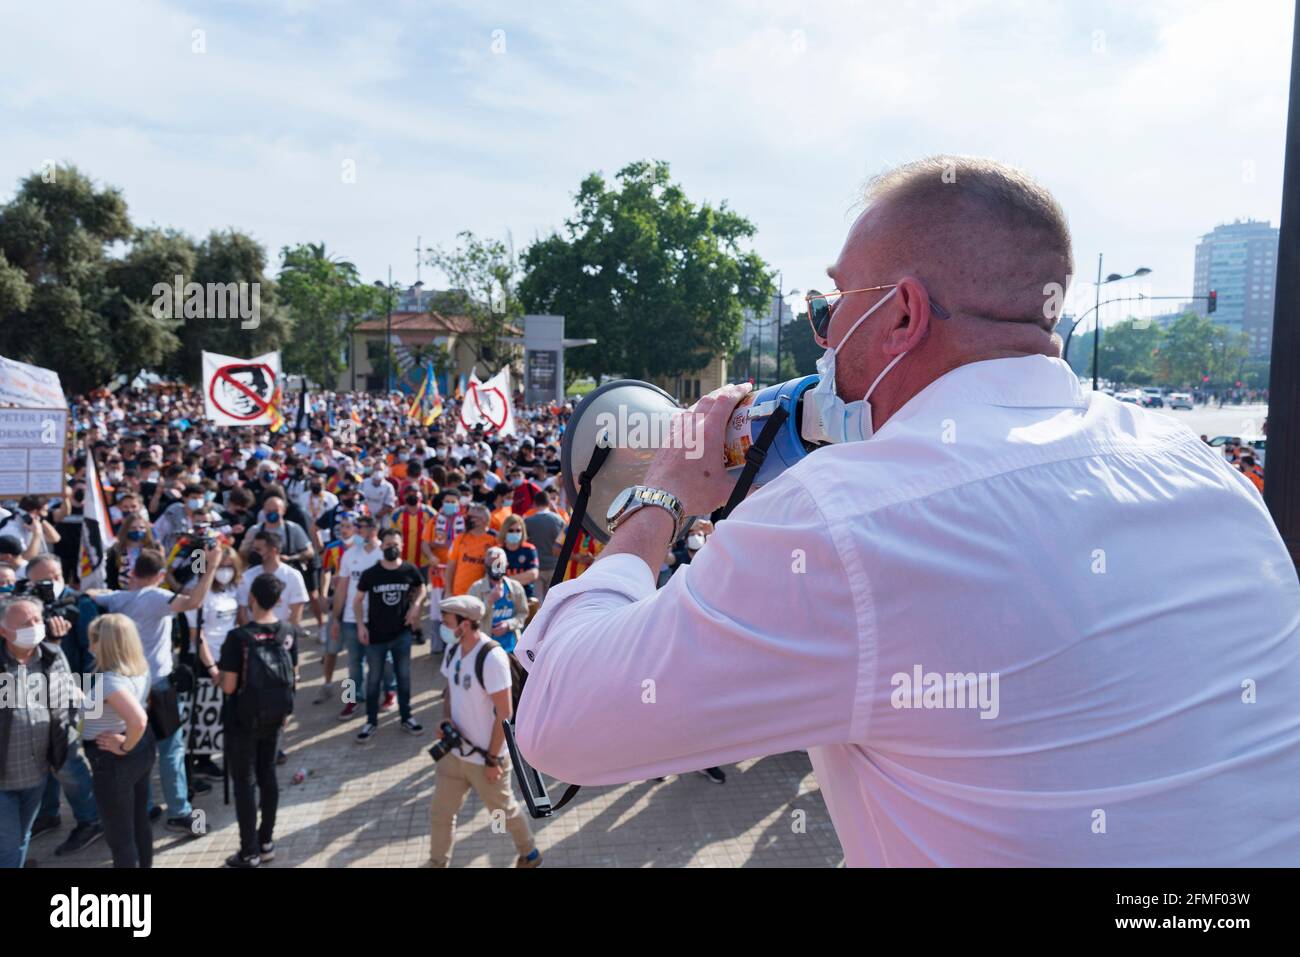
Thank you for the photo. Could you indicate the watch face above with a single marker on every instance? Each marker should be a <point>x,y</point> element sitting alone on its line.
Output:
<point>619,503</point>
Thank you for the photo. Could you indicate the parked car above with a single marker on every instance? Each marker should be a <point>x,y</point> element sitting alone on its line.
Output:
<point>1180,400</point>
<point>1152,397</point>
<point>1133,396</point>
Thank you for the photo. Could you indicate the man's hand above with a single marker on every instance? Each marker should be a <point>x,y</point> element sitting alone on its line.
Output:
<point>112,743</point>
<point>363,634</point>
<point>59,626</point>
<point>413,619</point>
<point>493,774</point>
<point>499,629</point>
<point>691,463</point>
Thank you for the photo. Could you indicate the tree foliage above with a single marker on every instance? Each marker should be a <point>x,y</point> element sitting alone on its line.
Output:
<point>660,282</point>
<point>483,275</point>
<point>326,298</point>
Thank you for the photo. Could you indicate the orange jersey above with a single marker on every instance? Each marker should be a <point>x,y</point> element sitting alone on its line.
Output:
<point>440,534</point>
<point>467,552</point>
<point>499,516</point>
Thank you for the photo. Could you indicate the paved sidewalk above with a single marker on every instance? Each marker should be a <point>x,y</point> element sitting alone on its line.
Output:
<point>369,806</point>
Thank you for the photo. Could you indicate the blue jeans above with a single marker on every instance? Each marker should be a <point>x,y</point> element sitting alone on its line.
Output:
<point>171,769</point>
<point>75,778</point>
<point>356,663</point>
<point>377,655</point>
<point>18,811</point>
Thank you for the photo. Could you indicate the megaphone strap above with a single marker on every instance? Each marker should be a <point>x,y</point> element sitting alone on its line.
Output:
<point>598,456</point>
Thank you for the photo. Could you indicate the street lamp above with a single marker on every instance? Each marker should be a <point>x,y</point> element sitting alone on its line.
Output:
<point>1096,337</point>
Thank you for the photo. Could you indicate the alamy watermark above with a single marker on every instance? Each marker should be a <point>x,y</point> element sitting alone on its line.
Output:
<point>209,300</point>
<point>631,429</point>
<point>931,689</point>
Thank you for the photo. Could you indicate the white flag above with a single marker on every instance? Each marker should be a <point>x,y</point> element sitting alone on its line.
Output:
<point>96,529</point>
<point>488,404</point>
<point>239,391</point>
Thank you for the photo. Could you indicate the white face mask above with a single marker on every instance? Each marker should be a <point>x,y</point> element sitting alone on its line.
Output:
<point>846,421</point>
<point>31,636</point>
<point>225,575</point>
<point>695,542</point>
<point>448,636</point>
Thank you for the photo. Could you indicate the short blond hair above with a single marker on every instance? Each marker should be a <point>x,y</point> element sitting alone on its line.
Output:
<point>118,645</point>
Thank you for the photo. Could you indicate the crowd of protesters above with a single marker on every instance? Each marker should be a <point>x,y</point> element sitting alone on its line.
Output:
<point>355,524</point>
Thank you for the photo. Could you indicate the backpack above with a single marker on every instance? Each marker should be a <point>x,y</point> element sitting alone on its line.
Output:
<point>517,673</point>
<point>265,696</point>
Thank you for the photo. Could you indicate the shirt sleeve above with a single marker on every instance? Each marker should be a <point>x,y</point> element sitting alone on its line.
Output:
<point>755,648</point>
<point>113,601</point>
<point>157,601</point>
<point>363,583</point>
<point>295,592</point>
<point>496,671</point>
<point>232,653</point>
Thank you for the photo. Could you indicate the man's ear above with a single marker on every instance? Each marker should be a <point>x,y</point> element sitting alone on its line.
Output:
<point>912,321</point>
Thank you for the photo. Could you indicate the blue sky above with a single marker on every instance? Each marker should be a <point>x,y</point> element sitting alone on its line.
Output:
<point>1151,121</point>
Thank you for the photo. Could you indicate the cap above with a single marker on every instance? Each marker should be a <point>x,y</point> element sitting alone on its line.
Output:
<point>466,606</point>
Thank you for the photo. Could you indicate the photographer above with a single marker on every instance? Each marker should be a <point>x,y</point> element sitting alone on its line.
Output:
<point>475,708</point>
<point>35,737</point>
<point>31,526</point>
<point>63,629</point>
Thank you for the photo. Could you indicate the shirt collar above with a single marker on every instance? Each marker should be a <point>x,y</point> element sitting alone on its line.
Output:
<point>1023,381</point>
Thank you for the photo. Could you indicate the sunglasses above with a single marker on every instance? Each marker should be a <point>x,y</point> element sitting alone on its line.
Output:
<point>821,308</point>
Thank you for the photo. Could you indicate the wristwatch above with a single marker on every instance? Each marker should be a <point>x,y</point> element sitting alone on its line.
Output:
<point>635,497</point>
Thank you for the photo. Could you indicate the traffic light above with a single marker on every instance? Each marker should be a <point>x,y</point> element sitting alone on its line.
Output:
<point>1214,301</point>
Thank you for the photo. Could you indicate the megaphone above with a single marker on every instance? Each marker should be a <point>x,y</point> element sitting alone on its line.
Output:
<point>633,418</point>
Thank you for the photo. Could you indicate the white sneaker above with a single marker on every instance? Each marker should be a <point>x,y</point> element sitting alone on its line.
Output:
<point>364,734</point>
<point>323,693</point>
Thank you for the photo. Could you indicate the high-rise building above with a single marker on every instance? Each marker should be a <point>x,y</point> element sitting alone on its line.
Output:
<point>1238,261</point>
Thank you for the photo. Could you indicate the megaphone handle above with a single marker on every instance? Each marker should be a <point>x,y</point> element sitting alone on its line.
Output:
<point>598,456</point>
<point>754,458</point>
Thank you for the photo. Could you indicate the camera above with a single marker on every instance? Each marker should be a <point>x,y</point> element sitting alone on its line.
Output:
<point>42,590</point>
<point>450,741</point>
<point>200,536</point>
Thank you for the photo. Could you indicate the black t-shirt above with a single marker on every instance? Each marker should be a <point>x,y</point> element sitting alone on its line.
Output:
<point>233,650</point>
<point>390,591</point>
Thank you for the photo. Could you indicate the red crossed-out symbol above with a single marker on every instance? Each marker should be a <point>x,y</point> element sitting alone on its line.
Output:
<point>224,375</point>
<point>482,397</point>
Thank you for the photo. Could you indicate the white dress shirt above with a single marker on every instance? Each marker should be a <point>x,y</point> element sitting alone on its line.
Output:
<point>1122,592</point>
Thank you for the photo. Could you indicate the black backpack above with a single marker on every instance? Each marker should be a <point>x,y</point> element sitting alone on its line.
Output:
<point>265,695</point>
<point>517,673</point>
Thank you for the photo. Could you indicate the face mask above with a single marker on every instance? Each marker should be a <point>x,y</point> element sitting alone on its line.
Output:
<point>514,538</point>
<point>412,500</point>
<point>467,500</point>
<point>450,508</point>
<point>225,575</point>
<point>194,504</point>
<point>317,489</point>
<point>448,636</point>
<point>442,454</point>
<point>153,476</point>
<point>392,552</point>
<point>31,636</point>
<point>515,483</point>
<point>272,517</point>
<point>6,589</point>
<point>209,496</point>
<point>136,535</point>
<point>846,421</point>
<point>695,542</point>
<point>114,478</point>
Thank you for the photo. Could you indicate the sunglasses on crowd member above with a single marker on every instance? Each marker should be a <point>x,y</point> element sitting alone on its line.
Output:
<point>820,307</point>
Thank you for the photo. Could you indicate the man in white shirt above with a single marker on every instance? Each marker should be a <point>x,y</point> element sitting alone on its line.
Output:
<point>268,545</point>
<point>361,555</point>
<point>954,606</point>
<point>379,493</point>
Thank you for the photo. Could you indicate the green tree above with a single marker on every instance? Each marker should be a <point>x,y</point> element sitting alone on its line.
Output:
<point>1128,351</point>
<point>1186,353</point>
<point>60,305</point>
<point>660,282</point>
<point>325,298</point>
<point>483,275</point>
